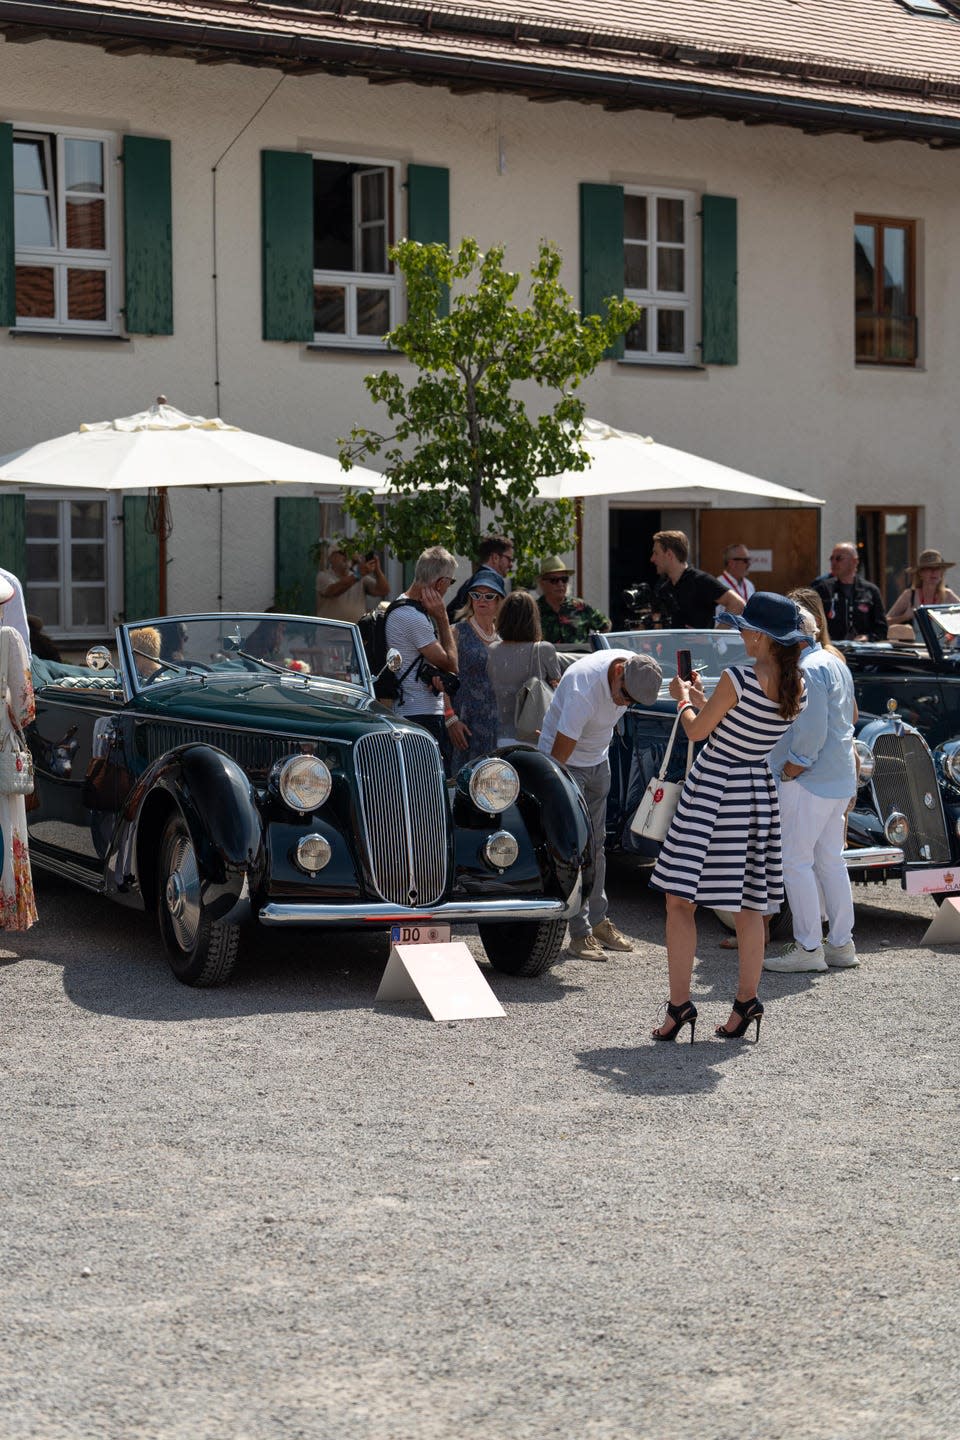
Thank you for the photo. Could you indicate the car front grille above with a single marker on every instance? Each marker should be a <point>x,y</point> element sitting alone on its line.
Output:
<point>905,780</point>
<point>403,812</point>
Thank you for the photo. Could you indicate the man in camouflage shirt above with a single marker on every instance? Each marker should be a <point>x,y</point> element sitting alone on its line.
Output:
<point>565,619</point>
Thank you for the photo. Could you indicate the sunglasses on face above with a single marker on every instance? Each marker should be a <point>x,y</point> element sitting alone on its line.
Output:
<point>556,579</point>
<point>483,595</point>
<point>739,559</point>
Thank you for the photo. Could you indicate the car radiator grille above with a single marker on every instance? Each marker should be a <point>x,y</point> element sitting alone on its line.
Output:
<point>903,776</point>
<point>403,812</point>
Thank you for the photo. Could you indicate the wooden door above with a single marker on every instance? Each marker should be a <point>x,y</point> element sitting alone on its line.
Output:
<point>784,541</point>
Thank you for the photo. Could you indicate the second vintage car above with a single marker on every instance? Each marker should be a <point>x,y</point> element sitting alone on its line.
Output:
<point>235,771</point>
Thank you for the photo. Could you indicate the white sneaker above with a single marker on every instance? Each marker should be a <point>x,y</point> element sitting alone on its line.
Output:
<point>793,959</point>
<point>841,957</point>
<point>584,947</point>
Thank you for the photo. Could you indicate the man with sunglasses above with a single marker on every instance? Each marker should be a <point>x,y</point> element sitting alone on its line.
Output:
<point>736,563</point>
<point>565,619</point>
<point>854,606</point>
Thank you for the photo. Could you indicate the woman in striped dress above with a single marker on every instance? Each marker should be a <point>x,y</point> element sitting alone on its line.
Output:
<point>723,847</point>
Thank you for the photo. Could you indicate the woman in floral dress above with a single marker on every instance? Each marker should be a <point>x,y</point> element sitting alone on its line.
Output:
<point>17,908</point>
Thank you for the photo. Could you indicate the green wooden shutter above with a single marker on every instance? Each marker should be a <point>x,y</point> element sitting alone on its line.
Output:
<point>287,240</point>
<point>148,236</point>
<point>13,535</point>
<point>719,283</point>
<point>428,210</point>
<point>8,273</point>
<point>601,250</point>
<point>296,525</point>
<point>141,562</point>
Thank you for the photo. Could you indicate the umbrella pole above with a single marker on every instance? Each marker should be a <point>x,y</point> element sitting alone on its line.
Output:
<point>578,529</point>
<point>162,523</point>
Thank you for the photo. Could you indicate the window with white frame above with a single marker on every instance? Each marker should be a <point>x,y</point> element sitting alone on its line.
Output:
<point>64,229</point>
<point>355,288</point>
<point>659,273</point>
<point>70,573</point>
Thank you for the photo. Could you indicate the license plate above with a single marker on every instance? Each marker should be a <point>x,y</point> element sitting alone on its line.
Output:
<point>932,882</point>
<point>426,934</point>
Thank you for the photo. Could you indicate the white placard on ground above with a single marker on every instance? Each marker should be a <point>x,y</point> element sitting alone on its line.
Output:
<point>445,977</point>
<point>944,928</point>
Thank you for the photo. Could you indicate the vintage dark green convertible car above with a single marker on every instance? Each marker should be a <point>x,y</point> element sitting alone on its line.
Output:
<point>235,770</point>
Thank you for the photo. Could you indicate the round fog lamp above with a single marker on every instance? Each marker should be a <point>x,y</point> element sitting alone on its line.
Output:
<point>897,828</point>
<point>313,852</point>
<point>304,782</point>
<point>500,850</point>
<point>865,756</point>
<point>494,785</point>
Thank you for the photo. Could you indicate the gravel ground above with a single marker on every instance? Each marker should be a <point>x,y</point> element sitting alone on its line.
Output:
<point>277,1211</point>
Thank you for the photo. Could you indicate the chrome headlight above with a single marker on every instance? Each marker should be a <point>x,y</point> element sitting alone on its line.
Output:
<point>494,786</point>
<point>897,828</point>
<point>866,761</point>
<point>500,850</point>
<point>304,782</point>
<point>950,759</point>
<point>313,852</point>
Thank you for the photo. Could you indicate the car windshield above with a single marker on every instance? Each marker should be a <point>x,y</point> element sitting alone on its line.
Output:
<point>174,647</point>
<point>946,621</point>
<point>711,650</point>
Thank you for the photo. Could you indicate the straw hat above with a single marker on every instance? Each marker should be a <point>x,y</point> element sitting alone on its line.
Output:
<point>931,560</point>
<point>553,565</point>
<point>6,590</point>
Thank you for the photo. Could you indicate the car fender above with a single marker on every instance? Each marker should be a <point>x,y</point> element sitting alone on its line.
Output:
<point>555,814</point>
<point>219,807</point>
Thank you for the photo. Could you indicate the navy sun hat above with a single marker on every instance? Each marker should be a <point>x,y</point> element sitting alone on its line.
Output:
<point>487,579</point>
<point>772,615</point>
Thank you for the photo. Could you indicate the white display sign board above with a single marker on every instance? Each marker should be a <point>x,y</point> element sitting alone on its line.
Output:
<point>445,977</point>
<point>761,561</point>
<point>944,928</point>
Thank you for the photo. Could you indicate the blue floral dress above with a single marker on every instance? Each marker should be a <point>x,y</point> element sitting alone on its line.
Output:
<point>475,701</point>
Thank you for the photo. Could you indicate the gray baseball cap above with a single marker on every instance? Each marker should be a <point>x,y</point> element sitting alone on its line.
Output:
<point>641,678</point>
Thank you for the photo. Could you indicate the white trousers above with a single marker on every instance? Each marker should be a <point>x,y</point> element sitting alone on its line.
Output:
<point>813,867</point>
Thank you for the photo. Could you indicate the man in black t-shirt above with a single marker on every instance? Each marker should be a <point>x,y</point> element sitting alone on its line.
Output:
<point>854,606</point>
<point>685,598</point>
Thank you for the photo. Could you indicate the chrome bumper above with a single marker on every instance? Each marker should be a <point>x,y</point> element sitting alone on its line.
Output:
<point>873,857</point>
<point>465,912</point>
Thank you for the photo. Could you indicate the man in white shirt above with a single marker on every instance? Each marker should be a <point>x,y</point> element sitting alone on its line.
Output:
<point>577,730</point>
<point>15,611</point>
<point>421,631</point>
<point>736,563</point>
<point>342,588</point>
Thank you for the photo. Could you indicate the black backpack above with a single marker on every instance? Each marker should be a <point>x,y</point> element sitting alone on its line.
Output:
<point>373,633</point>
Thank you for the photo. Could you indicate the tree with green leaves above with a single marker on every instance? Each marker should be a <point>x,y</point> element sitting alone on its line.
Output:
<point>462,442</point>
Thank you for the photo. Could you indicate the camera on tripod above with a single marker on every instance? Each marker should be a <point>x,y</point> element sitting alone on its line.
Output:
<point>638,604</point>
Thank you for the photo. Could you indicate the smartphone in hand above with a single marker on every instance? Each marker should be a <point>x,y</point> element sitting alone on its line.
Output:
<point>684,665</point>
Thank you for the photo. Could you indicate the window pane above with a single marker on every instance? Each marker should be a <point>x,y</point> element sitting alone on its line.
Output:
<point>670,220</point>
<point>86,295</point>
<point>373,312</point>
<point>670,270</point>
<point>32,220</point>
<point>373,250</point>
<point>635,276</point>
<point>86,519</point>
<point>44,602</point>
<point>636,338</point>
<point>43,519</point>
<point>86,560</point>
<point>894,270</point>
<point>332,215</point>
<point>865,264</point>
<point>29,165</point>
<point>83,163</point>
<point>35,292</point>
<point>670,332</point>
<point>89,606</point>
<point>329,310</point>
<point>43,562</point>
<point>86,225</point>
<point>373,196</point>
<point>635,217</point>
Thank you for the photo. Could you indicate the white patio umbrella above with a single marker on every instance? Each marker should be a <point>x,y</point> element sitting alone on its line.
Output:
<point>162,448</point>
<point>625,464</point>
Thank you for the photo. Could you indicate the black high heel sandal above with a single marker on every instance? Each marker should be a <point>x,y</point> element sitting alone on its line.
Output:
<point>748,1010</point>
<point>680,1015</point>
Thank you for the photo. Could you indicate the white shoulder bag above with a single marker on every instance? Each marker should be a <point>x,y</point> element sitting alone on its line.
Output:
<point>661,797</point>
<point>16,762</point>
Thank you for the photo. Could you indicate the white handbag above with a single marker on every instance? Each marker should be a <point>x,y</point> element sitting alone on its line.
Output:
<point>653,815</point>
<point>16,762</point>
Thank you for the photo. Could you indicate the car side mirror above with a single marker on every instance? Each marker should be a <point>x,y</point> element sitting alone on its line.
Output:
<point>98,658</point>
